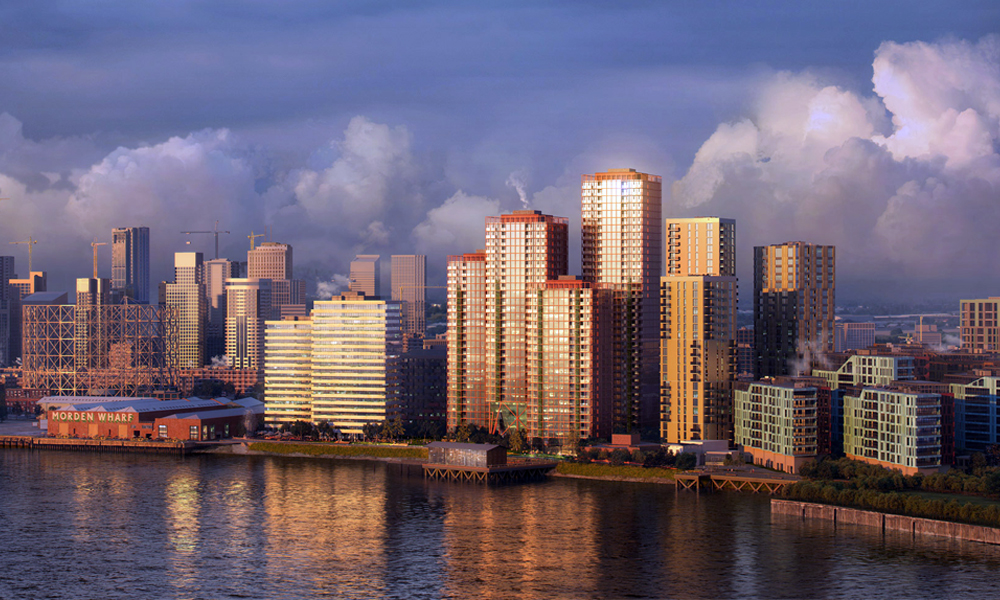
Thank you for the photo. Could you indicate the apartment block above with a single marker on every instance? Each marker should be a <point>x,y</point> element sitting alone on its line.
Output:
<point>977,418</point>
<point>186,297</point>
<point>794,285</point>
<point>409,286</point>
<point>698,298</point>
<point>869,370</point>
<point>355,355</point>
<point>622,252</point>
<point>979,326</point>
<point>894,428</point>
<point>248,306</point>
<point>777,424</point>
<point>288,351</point>
<point>366,275</point>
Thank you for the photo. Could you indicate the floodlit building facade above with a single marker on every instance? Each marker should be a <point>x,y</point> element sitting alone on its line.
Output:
<point>467,395</point>
<point>794,285</point>
<point>130,263</point>
<point>777,424</point>
<point>288,351</point>
<point>980,328</point>
<point>621,243</point>
<point>356,347</point>
<point>698,299</point>
<point>894,428</point>
<point>186,296</point>
<point>366,275</point>
<point>409,286</point>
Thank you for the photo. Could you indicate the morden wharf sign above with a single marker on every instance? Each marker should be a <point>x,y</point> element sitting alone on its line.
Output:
<point>91,417</point>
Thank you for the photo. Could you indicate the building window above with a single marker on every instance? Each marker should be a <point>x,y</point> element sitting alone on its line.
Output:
<point>163,431</point>
<point>194,432</point>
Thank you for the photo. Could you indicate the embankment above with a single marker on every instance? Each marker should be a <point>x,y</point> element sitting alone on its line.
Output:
<point>886,522</point>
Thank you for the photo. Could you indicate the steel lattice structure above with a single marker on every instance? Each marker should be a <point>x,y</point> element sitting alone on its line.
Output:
<point>117,350</point>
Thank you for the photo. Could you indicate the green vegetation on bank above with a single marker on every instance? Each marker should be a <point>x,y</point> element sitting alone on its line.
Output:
<point>625,471</point>
<point>339,450</point>
<point>855,484</point>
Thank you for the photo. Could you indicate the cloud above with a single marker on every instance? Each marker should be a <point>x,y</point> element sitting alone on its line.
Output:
<point>911,196</point>
<point>455,227</point>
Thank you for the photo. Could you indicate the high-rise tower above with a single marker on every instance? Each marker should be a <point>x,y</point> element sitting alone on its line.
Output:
<point>248,306</point>
<point>409,285</point>
<point>697,329</point>
<point>622,240</point>
<point>130,263</point>
<point>793,306</point>
<point>491,300</point>
<point>366,275</point>
<point>186,295</point>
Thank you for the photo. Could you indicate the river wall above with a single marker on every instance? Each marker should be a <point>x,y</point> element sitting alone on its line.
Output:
<point>886,522</point>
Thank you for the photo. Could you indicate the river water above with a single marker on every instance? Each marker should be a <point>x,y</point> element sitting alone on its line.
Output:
<point>99,526</point>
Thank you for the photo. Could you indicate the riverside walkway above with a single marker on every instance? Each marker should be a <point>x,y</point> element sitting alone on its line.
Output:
<point>740,479</point>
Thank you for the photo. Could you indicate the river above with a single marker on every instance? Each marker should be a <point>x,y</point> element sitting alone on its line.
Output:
<point>134,526</point>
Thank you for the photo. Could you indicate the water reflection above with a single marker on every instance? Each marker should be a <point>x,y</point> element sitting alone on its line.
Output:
<point>86,526</point>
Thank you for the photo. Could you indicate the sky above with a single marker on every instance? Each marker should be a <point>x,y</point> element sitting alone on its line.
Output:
<point>395,128</point>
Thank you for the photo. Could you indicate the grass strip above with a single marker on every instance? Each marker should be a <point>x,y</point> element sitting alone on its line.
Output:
<point>601,470</point>
<point>339,450</point>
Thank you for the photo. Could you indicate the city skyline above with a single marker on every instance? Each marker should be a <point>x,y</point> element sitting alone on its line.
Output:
<point>832,125</point>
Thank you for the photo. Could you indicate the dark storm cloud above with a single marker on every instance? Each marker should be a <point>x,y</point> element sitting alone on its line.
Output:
<point>389,127</point>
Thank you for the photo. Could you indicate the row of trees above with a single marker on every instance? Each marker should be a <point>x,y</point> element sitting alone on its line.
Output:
<point>650,458</point>
<point>863,476</point>
<point>912,505</point>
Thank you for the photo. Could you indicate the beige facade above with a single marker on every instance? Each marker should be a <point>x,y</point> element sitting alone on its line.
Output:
<point>467,289</point>
<point>777,424</point>
<point>621,242</point>
<point>979,325</point>
<point>186,296</point>
<point>356,347</point>
<point>366,275</point>
<point>698,299</point>
<point>409,286</point>
<point>270,260</point>
<point>248,306</point>
<point>288,350</point>
<point>794,285</point>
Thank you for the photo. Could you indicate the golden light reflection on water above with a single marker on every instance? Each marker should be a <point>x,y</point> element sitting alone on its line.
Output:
<point>183,526</point>
<point>334,514</point>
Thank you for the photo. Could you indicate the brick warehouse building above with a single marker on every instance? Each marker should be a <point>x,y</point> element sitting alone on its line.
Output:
<point>146,418</point>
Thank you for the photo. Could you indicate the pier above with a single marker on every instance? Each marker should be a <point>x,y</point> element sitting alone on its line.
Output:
<point>107,446</point>
<point>756,481</point>
<point>516,471</point>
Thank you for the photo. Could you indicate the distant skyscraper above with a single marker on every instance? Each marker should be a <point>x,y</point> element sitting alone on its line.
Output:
<point>248,305</point>
<point>130,262</point>
<point>698,329</point>
<point>794,285</point>
<point>980,328</point>
<point>187,296</point>
<point>217,273</point>
<point>366,276</point>
<point>621,252</point>
<point>8,310</point>
<point>409,285</point>
<point>270,260</point>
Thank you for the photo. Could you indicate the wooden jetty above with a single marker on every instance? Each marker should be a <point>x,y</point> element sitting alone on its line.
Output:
<point>513,472</point>
<point>731,480</point>
<point>107,446</point>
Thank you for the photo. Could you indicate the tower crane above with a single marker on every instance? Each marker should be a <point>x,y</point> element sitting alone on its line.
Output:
<point>214,232</point>
<point>253,239</point>
<point>94,245</point>
<point>30,242</point>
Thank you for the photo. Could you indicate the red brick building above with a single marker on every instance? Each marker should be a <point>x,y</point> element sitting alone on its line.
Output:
<point>192,419</point>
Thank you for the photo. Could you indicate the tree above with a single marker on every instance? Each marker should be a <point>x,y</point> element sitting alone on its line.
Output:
<point>394,429</point>
<point>517,441</point>
<point>370,431</point>
<point>463,432</point>
<point>686,461</point>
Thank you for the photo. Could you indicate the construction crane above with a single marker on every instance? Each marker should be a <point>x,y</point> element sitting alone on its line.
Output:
<point>214,232</point>
<point>253,239</point>
<point>31,243</point>
<point>94,245</point>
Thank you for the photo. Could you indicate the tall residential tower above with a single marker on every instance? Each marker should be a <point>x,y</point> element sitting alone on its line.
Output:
<point>409,286</point>
<point>622,240</point>
<point>130,263</point>
<point>697,329</point>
